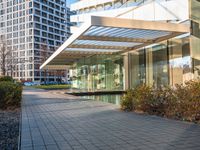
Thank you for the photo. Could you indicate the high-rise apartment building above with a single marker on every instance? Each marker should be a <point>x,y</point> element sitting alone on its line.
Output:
<point>32,30</point>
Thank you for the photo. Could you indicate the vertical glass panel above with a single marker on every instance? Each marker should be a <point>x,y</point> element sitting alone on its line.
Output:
<point>179,61</point>
<point>157,65</point>
<point>99,72</point>
<point>195,38</point>
<point>137,68</point>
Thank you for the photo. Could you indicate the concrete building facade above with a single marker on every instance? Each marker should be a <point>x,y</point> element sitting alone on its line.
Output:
<point>33,30</point>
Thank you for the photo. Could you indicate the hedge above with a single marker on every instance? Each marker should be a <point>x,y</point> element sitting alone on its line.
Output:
<point>6,78</point>
<point>10,94</point>
<point>180,102</point>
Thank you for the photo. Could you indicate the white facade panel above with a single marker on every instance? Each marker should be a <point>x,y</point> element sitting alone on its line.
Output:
<point>159,10</point>
<point>88,3</point>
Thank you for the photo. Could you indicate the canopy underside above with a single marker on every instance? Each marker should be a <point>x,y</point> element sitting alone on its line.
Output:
<point>105,35</point>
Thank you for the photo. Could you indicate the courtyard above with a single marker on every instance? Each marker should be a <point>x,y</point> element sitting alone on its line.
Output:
<point>55,120</point>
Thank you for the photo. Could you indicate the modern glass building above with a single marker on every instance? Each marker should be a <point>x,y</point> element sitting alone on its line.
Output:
<point>120,44</point>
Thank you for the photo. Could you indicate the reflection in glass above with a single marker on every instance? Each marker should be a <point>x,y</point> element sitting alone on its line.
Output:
<point>137,68</point>
<point>99,72</point>
<point>195,37</point>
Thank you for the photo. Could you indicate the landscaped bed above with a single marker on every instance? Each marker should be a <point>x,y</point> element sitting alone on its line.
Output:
<point>9,129</point>
<point>181,102</point>
<point>53,87</point>
<point>10,100</point>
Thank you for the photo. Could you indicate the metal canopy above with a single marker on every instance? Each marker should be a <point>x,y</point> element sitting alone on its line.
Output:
<point>105,35</point>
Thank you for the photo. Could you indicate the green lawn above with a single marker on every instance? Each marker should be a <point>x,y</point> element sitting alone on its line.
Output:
<point>49,87</point>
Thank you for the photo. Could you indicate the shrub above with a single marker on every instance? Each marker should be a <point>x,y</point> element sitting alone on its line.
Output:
<point>10,94</point>
<point>142,97</point>
<point>6,78</point>
<point>127,102</point>
<point>189,101</point>
<point>179,102</point>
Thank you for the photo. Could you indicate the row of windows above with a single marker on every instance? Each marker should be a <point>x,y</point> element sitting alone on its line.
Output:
<point>44,40</point>
<point>50,42</point>
<point>51,29</point>
<point>20,21</point>
<point>15,34</point>
<point>19,14</point>
<point>17,46</point>
<point>14,8</point>
<point>47,9</point>
<point>56,19</point>
<point>22,74</point>
<point>19,66</point>
<point>13,2</point>
<point>52,5</point>
<point>16,21</point>
<point>17,29</point>
<point>23,53</point>
<point>44,34</point>
<point>44,14</point>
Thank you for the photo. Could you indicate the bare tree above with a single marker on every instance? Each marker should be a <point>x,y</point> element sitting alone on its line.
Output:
<point>9,62</point>
<point>44,53</point>
<point>5,54</point>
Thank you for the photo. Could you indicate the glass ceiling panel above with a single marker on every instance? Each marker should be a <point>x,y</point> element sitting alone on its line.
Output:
<point>91,50</point>
<point>125,33</point>
<point>105,43</point>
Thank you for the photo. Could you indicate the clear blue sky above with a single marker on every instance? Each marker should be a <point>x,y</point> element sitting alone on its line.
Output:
<point>70,2</point>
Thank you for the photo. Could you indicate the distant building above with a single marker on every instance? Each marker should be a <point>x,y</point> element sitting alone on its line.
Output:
<point>33,30</point>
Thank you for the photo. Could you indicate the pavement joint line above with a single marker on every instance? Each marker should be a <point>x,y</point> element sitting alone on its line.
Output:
<point>78,124</point>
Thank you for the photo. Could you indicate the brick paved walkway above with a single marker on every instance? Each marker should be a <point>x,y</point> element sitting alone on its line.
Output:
<point>57,121</point>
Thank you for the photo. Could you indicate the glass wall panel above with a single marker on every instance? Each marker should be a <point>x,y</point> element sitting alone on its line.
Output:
<point>98,72</point>
<point>157,65</point>
<point>179,61</point>
<point>162,64</point>
<point>137,69</point>
<point>195,37</point>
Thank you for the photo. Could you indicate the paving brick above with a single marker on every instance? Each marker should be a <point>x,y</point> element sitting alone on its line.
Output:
<point>52,147</point>
<point>26,148</point>
<point>40,147</point>
<point>59,121</point>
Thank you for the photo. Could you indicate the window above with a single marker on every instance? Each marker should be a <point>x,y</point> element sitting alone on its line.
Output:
<point>44,21</point>
<point>36,32</point>
<point>30,4</point>
<point>50,36</point>
<point>51,42</point>
<point>44,34</point>
<point>37,12</point>
<point>37,25</point>
<point>51,29</point>
<point>37,46</point>
<point>44,28</point>
<point>51,10</point>
<point>36,5</point>
<point>36,19</point>
<point>44,14</point>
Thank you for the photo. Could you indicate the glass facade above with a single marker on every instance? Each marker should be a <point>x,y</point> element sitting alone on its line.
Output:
<point>98,72</point>
<point>195,37</point>
<point>167,63</point>
<point>157,65</point>
<point>180,68</point>
<point>162,64</point>
<point>137,68</point>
